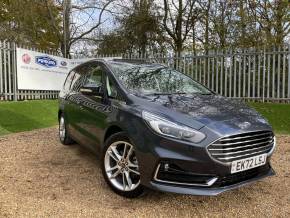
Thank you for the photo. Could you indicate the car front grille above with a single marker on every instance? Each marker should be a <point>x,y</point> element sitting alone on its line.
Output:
<point>241,146</point>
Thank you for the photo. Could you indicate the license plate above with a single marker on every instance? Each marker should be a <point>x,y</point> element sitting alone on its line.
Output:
<point>248,163</point>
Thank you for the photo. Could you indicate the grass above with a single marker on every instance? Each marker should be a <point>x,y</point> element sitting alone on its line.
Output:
<point>29,115</point>
<point>278,115</point>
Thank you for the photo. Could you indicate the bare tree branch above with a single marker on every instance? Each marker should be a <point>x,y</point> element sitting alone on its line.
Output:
<point>99,22</point>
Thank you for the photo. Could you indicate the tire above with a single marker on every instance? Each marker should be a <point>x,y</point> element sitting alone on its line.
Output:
<point>64,137</point>
<point>120,169</point>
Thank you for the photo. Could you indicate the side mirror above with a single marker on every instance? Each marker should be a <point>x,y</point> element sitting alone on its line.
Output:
<point>92,90</point>
<point>114,93</point>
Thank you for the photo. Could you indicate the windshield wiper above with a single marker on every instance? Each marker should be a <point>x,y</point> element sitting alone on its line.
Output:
<point>209,93</point>
<point>201,93</point>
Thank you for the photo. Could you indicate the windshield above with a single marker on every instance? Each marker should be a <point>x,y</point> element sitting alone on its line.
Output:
<point>156,79</point>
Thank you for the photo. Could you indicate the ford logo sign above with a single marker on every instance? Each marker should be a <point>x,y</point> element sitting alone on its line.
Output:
<point>45,61</point>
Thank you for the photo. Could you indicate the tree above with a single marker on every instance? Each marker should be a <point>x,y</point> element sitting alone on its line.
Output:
<point>24,22</point>
<point>221,19</point>
<point>74,28</point>
<point>114,43</point>
<point>143,26</point>
<point>138,30</point>
<point>177,22</point>
<point>274,20</point>
<point>205,23</point>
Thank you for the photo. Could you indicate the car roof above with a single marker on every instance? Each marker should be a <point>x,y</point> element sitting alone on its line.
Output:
<point>120,60</point>
<point>124,62</point>
<point>134,63</point>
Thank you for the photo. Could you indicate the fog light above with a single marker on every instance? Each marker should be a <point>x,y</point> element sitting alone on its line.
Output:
<point>173,174</point>
<point>166,167</point>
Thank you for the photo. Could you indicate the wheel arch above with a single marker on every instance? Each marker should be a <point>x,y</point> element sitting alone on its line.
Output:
<point>112,129</point>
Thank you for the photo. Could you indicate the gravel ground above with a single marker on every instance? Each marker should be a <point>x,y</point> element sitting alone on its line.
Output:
<point>39,178</point>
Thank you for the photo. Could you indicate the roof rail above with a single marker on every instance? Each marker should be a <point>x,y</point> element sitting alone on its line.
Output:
<point>109,58</point>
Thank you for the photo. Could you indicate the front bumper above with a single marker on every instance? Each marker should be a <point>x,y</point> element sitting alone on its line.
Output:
<point>205,176</point>
<point>216,189</point>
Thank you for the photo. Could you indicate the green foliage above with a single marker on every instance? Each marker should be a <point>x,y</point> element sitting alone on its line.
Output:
<point>146,26</point>
<point>195,25</point>
<point>27,22</point>
<point>263,23</point>
<point>27,115</point>
<point>113,44</point>
<point>139,30</point>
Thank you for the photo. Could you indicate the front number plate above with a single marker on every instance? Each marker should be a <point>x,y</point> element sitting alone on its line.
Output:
<point>248,163</point>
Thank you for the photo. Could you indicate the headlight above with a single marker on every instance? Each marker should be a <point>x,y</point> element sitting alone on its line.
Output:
<point>168,128</point>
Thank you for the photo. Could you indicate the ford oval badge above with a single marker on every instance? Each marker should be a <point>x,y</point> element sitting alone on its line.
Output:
<point>45,61</point>
<point>244,125</point>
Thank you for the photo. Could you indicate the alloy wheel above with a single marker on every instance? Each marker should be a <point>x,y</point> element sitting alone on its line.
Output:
<point>121,166</point>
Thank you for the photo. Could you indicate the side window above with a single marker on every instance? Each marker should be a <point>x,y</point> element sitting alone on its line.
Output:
<point>89,75</point>
<point>94,76</point>
<point>68,80</point>
<point>111,88</point>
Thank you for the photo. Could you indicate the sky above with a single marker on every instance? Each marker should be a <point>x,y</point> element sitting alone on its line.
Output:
<point>83,20</point>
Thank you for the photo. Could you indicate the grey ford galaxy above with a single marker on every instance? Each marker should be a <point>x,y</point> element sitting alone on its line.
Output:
<point>154,127</point>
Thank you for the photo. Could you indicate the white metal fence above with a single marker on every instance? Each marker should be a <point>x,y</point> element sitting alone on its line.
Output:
<point>260,75</point>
